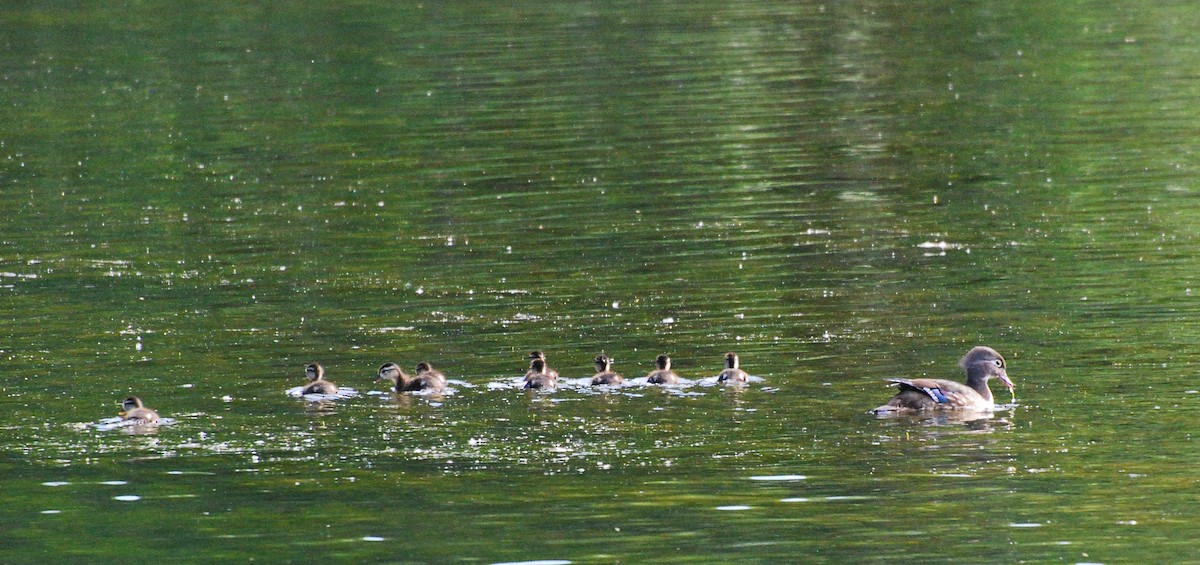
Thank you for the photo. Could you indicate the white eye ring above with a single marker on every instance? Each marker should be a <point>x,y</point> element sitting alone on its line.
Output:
<point>999,363</point>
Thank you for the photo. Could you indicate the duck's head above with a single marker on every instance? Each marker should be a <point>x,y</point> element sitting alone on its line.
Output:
<point>389,372</point>
<point>731,360</point>
<point>537,355</point>
<point>603,363</point>
<point>131,403</point>
<point>663,362</point>
<point>983,363</point>
<point>314,371</point>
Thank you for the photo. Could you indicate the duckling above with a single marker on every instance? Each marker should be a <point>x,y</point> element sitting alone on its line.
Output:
<point>427,377</point>
<point>604,372</point>
<point>539,355</point>
<point>663,375</point>
<point>732,374</point>
<point>315,373</point>
<point>133,409</point>
<point>538,377</point>
<point>392,372</point>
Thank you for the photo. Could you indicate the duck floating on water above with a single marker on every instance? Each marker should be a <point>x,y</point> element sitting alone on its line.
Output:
<point>604,373</point>
<point>427,378</point>
<point>733,374</point>
<point>539,377</point>
<point>132,409</point>
<point>980,363</point>
<point>315,373</point>
<point>663,375</point>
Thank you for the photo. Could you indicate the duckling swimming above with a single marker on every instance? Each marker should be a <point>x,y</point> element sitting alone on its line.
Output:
<point>663,375</point>
<point>732,374</point>
<point>538,376</point>
<point>604,372</point>
<point>132,409</point>
<point>539,355</point>
<point>427,377</point>
<point>315,373</point>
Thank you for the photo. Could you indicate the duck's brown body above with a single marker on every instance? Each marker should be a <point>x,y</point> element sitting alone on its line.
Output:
<point>980,363</point>
<point>539,377</point>
<point>133,410</point>
<point>604,373</point>
<point>315,373</point>
<point>732,374</point>
<point>427,378</point>
<point>663,375</point>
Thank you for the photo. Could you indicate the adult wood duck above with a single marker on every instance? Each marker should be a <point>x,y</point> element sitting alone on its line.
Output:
<point>132,409</point>
<point>732,374</point>
<point>981,363</point>
<point>315,373</point>
<point>604,373</point>
<point>663,375</point>
<point>539,377</point>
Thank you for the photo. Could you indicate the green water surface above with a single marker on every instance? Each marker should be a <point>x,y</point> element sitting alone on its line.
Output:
<point>201,198</point>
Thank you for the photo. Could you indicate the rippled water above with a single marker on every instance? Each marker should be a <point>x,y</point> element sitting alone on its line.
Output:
<point>200,200</point>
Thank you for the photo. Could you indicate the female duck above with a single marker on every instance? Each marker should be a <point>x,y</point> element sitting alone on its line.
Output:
<point>981,363</point>
<point>427,377</point>
<point>132,409</point>
<point>604,373</point>
<point>732,374</point>
<point>663,375</point>
<point>317,384</point>
<point>539,377</point>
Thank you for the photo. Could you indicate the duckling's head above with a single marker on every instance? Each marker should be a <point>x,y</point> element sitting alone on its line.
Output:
<point>314,371</point>
<point>424,367</point>
<point>538,365</point>
<point>537,355</point>
<point>663,362</point>
<point>603,363</point>
<point>131,403</point>
<point>389,372</point>
<point>731,360</point>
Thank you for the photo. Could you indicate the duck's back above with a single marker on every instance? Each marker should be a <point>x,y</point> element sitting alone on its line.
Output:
<point>733,376</point>
<point>930,394</point>
<point>607,378</point>
<point>429,380</point>
<point>663,377</point>
<point>320,387</point>
<point>142,415</point>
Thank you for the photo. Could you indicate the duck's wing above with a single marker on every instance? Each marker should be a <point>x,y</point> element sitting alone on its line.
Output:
<point>943,392</point>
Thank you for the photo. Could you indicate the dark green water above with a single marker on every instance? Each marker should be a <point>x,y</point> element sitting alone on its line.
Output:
<point>201,199</point>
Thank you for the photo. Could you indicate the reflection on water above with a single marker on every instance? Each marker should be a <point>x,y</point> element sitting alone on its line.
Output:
<point>200,199</point>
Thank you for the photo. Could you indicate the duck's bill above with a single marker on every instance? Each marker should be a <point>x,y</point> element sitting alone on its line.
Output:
<point>1007,382</point>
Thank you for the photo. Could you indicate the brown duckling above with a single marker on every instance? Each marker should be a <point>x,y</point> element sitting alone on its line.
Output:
<point>315,373</point>
<point>427,377</point>
<point>604,373</point>
<point>663,375</point>
<point>133,409</point>
<point>980,363</point>
<point>732,374</point>
<point>538,376</point>
<point>539,355</point>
